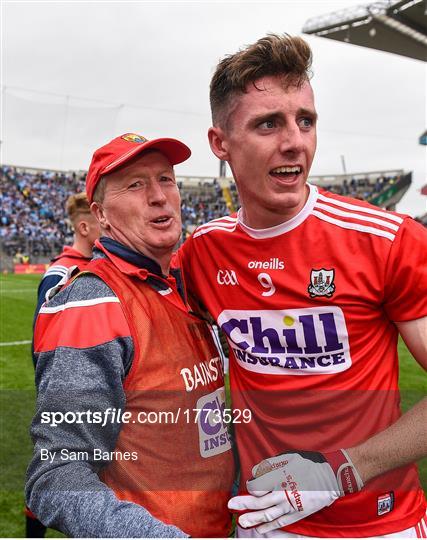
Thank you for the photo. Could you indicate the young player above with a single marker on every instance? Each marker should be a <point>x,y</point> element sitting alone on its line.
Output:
<point>312,290</point>
<point>86,231</point>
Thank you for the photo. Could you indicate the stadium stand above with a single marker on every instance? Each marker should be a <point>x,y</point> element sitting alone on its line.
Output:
<point>382,188</point>
<point>32,210</point>
<point>393,26</point>
<point>34,227</point>
<point>202,201</point>
<point>32,216</point>
<point>398,27</point>
<point>423,219</point>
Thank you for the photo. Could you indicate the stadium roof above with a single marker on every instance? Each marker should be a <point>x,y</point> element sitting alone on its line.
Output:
<point>398,27</point>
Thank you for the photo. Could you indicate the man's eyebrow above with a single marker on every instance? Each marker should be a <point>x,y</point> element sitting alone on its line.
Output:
<point>308,112</point>
<point>271,115</point>
<point>167,170</point>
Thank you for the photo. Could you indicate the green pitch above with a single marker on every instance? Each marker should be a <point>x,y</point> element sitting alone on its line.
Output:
<point>17,301</point>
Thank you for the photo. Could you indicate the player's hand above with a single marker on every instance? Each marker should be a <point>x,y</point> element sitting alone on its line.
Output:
<point>291,486</point>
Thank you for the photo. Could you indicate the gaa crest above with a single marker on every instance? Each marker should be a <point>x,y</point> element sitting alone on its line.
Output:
<point>134,137</point>
<point>321,283</point>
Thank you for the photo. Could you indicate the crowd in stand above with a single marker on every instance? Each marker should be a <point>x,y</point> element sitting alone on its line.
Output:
<point>201,204</point>
<point>32,206</point>
<point>362,187</point>
<point>32,210</point>
<point>32,215</point>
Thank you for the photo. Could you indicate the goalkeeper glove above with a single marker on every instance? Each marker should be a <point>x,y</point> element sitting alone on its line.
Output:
<point>291,486</point>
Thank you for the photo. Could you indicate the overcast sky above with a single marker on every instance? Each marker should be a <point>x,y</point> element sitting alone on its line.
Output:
<point>145,67</point>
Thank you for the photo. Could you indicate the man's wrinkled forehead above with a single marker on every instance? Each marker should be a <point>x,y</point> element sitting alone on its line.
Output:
<point>149,161</point>
<point>271,92</point>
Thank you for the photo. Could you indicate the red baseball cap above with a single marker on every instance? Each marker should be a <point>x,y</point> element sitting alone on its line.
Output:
<point>120,150</point>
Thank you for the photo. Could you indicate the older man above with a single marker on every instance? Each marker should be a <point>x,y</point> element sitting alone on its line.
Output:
<point>124,445</point>
<point>312,290</point>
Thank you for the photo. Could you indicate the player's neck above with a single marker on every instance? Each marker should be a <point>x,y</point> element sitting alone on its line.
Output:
<point>256,217</point>
<point>82,246</point>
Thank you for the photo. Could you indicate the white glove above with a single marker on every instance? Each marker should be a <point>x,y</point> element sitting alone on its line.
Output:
<point>291,486</point>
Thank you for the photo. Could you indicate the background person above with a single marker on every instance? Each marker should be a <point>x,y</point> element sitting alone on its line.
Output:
<point>120,337</point>
<point>312,289</point>
<point>86,231</point>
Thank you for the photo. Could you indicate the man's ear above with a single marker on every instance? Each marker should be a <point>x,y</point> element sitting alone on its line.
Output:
<point>99,212</point>
<point>218,142</point>
<point>83,228</point>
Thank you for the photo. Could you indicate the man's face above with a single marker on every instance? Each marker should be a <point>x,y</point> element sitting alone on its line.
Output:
<point>142,206</point>
<point>269,143</point>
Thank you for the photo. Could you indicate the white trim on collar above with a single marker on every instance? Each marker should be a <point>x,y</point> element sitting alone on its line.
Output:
<point>285,227</point>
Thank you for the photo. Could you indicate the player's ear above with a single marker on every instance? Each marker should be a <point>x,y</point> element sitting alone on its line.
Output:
<point>83,227</point>
<point>98,211</point>
<point>218,142</point>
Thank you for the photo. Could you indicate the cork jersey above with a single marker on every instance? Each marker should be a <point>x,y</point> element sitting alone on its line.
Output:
<point>309,308</point>
<point>57,271</point>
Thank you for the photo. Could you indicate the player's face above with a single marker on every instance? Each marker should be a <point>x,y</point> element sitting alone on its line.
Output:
<point>142,207</point>
<point>269,143</point>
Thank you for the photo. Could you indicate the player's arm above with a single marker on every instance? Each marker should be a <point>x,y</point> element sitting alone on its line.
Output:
<point>78,372</point>
<point>405,298</point>
<point>293,485</point>
<point>406,440</point>
<point>402,443</point>
<point>414,334</point>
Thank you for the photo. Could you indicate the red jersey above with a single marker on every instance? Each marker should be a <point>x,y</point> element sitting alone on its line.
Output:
<point>309,307</point>
<point>58,269</point>
<point>68,258</point>
<point>58,272</point>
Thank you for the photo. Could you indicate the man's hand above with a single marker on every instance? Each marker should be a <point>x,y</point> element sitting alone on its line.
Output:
<point>291,486</point>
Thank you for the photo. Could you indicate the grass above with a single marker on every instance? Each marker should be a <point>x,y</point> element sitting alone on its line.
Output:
<point>17,398</point>
<point>18,297</point>
<point>413,388</point>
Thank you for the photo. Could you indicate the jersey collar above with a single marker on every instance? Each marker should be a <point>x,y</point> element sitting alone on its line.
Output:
<point>72,253</point>
<point>285,227</point>
<point>122,253</point>
<point>132,263</point>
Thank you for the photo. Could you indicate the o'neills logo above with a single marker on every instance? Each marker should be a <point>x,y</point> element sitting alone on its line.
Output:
<point>273,264</point>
